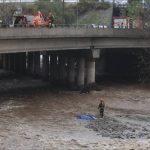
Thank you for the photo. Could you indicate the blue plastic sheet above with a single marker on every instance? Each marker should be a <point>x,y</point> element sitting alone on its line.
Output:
<point>86,117</point>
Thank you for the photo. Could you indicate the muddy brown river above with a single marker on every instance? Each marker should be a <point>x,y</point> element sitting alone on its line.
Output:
<point>43,118</point>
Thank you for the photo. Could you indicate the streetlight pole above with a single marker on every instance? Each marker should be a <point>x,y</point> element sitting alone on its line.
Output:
<point>77,13</point>
<point>144,14</point>
<point>63,16</point>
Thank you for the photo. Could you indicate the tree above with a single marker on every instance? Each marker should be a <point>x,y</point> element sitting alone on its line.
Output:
<point>6,12</point>
<point>147,13</point>
<point>135,9</point>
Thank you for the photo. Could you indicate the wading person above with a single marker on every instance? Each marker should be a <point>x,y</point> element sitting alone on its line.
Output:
<point>101,107</point>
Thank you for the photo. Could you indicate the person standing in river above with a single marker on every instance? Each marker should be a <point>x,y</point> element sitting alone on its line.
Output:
<point>101,107</point>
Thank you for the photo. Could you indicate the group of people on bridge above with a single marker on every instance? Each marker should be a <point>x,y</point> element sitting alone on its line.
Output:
<point>38,20</point>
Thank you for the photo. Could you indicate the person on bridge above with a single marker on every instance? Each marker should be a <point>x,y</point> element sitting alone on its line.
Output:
<point>101,107</point>
<point>50,20</point>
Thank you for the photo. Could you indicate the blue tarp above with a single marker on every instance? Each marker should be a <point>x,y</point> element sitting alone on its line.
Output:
<point>86,117</point>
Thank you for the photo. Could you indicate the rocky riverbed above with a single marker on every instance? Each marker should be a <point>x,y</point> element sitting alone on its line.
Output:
<point>44,118</point>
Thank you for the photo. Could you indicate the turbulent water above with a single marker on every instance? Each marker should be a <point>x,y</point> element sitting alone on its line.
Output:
<point>43,118</point>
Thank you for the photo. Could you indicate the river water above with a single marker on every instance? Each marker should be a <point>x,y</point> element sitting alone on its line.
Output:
<point>43,118</point>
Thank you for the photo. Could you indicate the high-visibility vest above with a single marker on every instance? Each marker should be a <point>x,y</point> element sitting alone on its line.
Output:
<point>39,22</point>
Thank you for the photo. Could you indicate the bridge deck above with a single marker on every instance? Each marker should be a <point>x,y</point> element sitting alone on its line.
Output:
<point>39,39</point>
<point>8,33</point>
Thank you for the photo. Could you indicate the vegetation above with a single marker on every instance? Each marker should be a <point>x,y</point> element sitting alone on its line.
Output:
<point>135,10</point>
<point>139,11</point>
<point>85,6</point>
<point>143,65</point>
<point>6,12</point>
<point>97,17</point>
<point>71,11</point>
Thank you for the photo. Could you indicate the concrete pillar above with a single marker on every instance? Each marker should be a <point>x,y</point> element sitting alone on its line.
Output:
<point>71,71</point>
<point>45,66</point>
<point>90,72</point>
<point>1,61</point>
<point>11,62</point>
<point>5,61</point>
<point>81,72</point>
<point>36,64</point>
<point>16,62</point>
<point>62,69</point>
<point>53,68</point>
<point>22,60</point>
<point>30,63</point>
<point>20,63</point>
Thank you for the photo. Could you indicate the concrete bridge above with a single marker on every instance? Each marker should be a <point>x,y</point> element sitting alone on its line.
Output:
<point>66,55</point>
<point>37,39</point>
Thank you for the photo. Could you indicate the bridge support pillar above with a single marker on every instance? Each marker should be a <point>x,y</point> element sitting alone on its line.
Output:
<point>1,61</point>
<point>81,72</point>
<point>16,62</point>
<point>11,62</point>
<point>53,68</point>
<point>22,63</point>
<point>30,63</point>
<point>62,69</point>
<point>12,66</point>
<point>45,66</point>
<point>90,72</point>
<point>71,71</point>
<point>5,61</point>
<point>36,64</point>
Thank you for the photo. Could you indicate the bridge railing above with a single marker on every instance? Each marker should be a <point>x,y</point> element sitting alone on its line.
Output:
<point>53,26</point>
<point>90,26</point>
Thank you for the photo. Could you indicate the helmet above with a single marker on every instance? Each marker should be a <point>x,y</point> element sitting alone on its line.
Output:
<point>101,98</point>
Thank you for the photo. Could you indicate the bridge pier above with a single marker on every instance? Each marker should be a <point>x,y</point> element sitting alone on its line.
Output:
<point>1,61</point>
<point>90,72</point>
<point>53,68</point>
<point>81,72</point>
<point>19,62</point>
<point>22,63</point>
<point>16,62</point>
<point>62,69</point>
<point>71,71</point>
<point>30,63</point>
<point>5,61</point>
<point>36,64</point>
<point>45,66</point>
<point>11,62</point>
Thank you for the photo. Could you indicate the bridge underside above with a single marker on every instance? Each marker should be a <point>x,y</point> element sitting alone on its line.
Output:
<point>73,68</point>
<point>76,69</point>
<point>31,45</point>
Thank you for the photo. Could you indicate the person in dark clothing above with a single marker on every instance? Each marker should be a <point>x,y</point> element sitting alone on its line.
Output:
<point>101,107</point>
<point>51,20</point>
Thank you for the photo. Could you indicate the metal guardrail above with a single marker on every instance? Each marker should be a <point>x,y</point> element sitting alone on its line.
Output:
<point>53,26</point>
<point>91,26</point>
